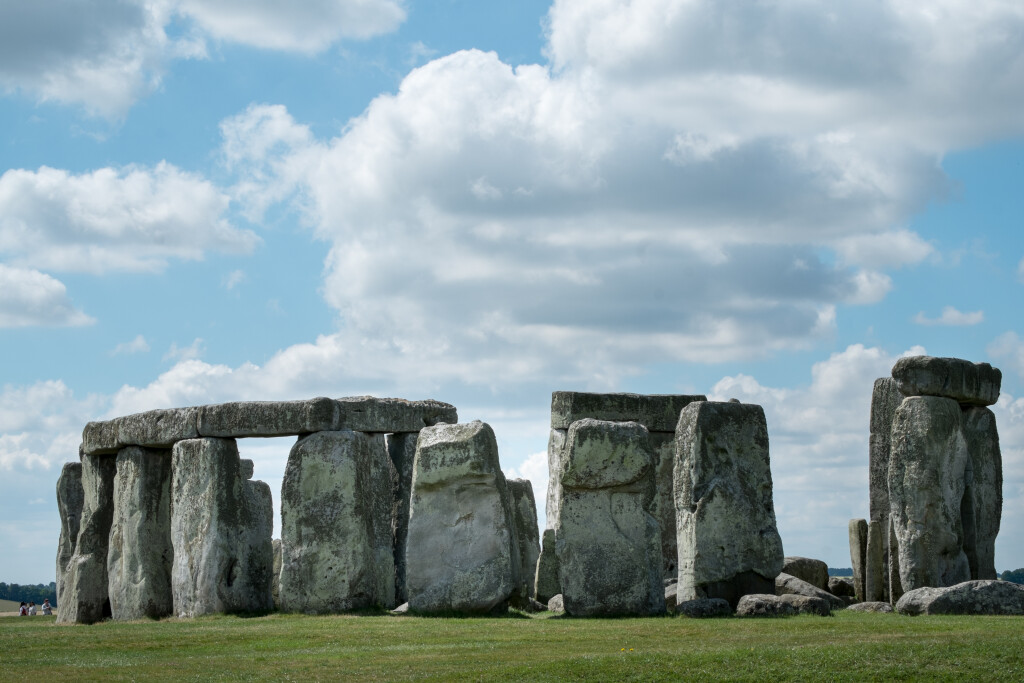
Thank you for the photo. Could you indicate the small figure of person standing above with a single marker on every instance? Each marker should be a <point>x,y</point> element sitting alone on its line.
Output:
<point>47,609</point>
<point>31,609</point>
<point>23,610</point>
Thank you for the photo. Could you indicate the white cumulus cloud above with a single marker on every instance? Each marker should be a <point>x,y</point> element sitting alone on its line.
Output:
<point>30,298</point>
<point>951,316</point>
<point>137,345</point>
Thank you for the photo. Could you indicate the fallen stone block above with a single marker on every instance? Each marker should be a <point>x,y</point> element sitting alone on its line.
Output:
<point>969,597</point>
<point>764,605</point>
<point>727,537</point>
<point>556,603</point>
<point>336,543</point>
<point>607,540</point>
<point>704,608</point>
<point>459,513</point>
<point>140,554</point>
<point>926,492</point>
<point>960,380</point>
<point>841,586</point>
<point>70,500</point>
<point>786,584</point>
<point>814,572</point>
<point>880,607</point>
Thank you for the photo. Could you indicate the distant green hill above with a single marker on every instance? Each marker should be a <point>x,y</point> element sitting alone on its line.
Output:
<point>9,606</point>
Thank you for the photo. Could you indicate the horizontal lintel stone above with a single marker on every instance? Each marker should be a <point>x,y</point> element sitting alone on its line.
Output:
<point>657,412</point>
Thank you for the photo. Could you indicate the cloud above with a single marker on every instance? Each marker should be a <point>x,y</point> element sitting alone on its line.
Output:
<point>41,424</point>
<point>137,345</point>
<point>107,54</point>
<point>1008,350</point>
<point>113,219</point>
<point>890,249</point>
<point>185,353</point>
<point>951,316</point>
<point>233,279</point>
<point>307,27</point>
<point>30,298</point>
<point>1020,270</point>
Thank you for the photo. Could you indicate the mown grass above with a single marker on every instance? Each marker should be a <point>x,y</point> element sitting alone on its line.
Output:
<point>847,646</point>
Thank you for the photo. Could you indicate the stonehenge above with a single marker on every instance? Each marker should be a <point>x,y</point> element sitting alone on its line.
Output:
<point>935,478</point>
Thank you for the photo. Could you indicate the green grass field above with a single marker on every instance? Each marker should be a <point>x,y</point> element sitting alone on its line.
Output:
<point>289,647</point>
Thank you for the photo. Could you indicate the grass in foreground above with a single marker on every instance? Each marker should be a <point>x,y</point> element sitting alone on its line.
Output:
<point>291,647</point>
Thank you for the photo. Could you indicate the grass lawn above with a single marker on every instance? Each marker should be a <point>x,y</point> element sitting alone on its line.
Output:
<point>289,647</point>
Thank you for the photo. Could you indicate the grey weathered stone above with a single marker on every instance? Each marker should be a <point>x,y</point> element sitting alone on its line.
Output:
<point>524,513</point>
<point>960,380</point>
<point>895,587</point>
<point>371,414</point>
<point>728,542</point>
<point>926,490</point>
<point>704,608</point>
<point>670,598</point>
<point>858,530</point>
<point>764,605</point>
<point>870,607</point>
<point>246,468</point>
<point>157,428</point>
<point>402,451</point>
<point>814,572</point>
<point>70,499</point>
<point>221,526</point>
<point>657,412</point>
<point>969,597</point>
<point>841,586</point>
<point>546,583</point>
<point>663,448</point>
<point>401,610</point>
<point>607,541</point>
<point>100,438</point>
<point>556,443</point>
<point>885,398</point>
<point>785,584</point>
<point>556,603</point>
<point>275,585</point>
<point>986,489</point>
<point>85,599</point>
<point>874,567</point>
<point>269,418</point>
<point>140,554</point>
<point>459,512</point>
<point>336,542</point>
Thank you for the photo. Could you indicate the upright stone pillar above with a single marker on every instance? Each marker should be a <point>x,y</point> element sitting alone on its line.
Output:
<point>729,545</point>
<point>874,569</point>
<point>336,543</point>
<point>885,398</point>
<point>895,587</point>
<point>858,531</point>
<point>461,549</point>
<point>979,426</point>
<point>220,531</point>
<point>926,492</point>
<point>524,512</point>
<point>546,582</point>
<point>70,500</point>
<point>139,560</point>
<point>402,450</point>
<point>608,543</point>
<point>85,599</point>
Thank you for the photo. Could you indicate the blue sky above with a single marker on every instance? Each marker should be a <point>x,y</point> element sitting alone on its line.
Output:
<point>484,202</point>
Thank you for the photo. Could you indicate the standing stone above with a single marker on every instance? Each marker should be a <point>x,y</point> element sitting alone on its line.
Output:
<point>858,554</point>
<point>926,492</point>
<point>140,555</point>
<point>663,450</point>
<point>885,398</point>
<point>556,444</point>
<point>275,586</point>
<point>895,587</point>
<point>729,545</point>
<point>336,543</point>
<point>979,426</point>
<point>814,572</point>
<point>546,583</point>
<point>874,569</point>
<point>461,550</point>
<point>221,526</point>
<point>607,541</point>
<point>524,513</point>
<point>85,599</point>
<point>70,499</point>
<point>965,382</point>
<point>402,451</point>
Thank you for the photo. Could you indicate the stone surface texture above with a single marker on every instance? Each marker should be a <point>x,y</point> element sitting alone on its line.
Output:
<point>728,541</point>
<point>841,586</point>
<point>556,604</point>
<point>858,530</point>
<point>704,608</point>
<point>874,565</point>
<point>524,513</point>
<point>607,541</point>
<point>814,572</point>
<point>402,451</point>
<point>269,418</point>
<point>767,605</point>
<point>926,490</point>
<point>275,585</point>
<point>546,583</point>
<point>786,584</point>
<point>221,528</point>
<point>885,398</point>
<point>336,514</point>
<point>556,443</point>
<point>986,489</point>
<point>870,607</point>
<point>70,500</point>
<point>461,549</point>
<point>657,412</point>
<point>969,597</point>
<point>85,599</point>
<point>140,554</point>
<point>378,415</point>
<point>960,380</point>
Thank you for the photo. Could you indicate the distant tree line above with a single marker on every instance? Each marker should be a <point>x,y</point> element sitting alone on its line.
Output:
<point>840,571</point>
<point>1016,576</point>
<point>36,594</point>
